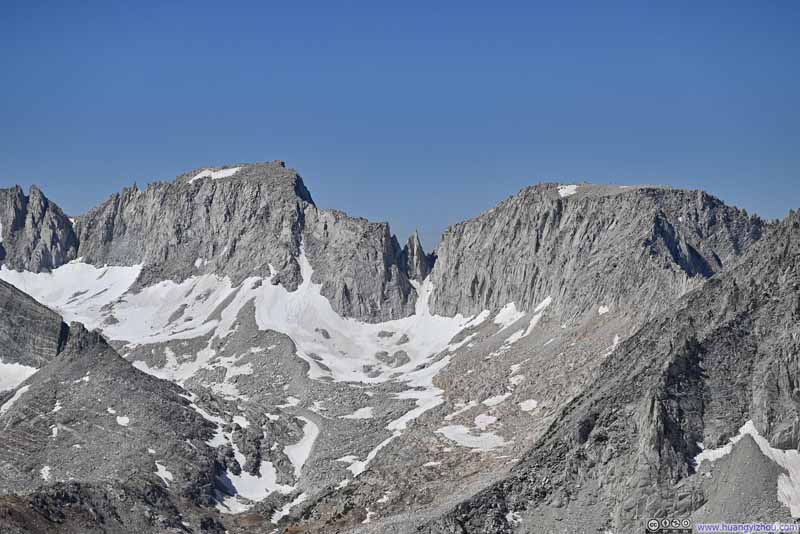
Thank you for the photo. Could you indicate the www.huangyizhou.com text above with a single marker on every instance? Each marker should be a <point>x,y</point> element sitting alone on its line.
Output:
<point>724,528</point>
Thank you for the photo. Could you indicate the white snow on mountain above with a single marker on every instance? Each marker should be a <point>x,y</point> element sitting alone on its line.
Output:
<point>462,435</point>
<point>567,190</point>
<point>497,399</point>
<point>789,460</point>
<point>361,413</point>
<point>299,453</point>
<point>13,374</point>
<point>10,402</point>
<point>209,305</point>
<point>76,290</point>
<point>163,474</point>
<point>215,175</point>
<point>507,316</point>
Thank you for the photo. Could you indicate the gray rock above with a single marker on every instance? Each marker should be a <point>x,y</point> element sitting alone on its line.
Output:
<point>30,333</point>
<point>694,374</point>
<point>235,226</point>
<point>632,248</point>
<point>358,264</point>
<point>416,263</point>
<point>246,225</point>
<point>35,235</point>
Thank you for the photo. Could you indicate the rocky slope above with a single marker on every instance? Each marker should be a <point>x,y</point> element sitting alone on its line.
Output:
<point>35,235</point>
<point>627,448</point>
<point>30,334</point>
<point>88,430</point>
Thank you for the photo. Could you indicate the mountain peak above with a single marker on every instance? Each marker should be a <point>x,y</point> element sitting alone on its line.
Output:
<point>274,173</point>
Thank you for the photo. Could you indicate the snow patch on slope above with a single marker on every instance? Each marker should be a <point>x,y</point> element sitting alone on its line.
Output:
<point>215,175</point>
<point>10,402</point>
<point>484,441</point>
<point>14,374</point>
<point>163,474</point>
<point>361,413</point>
<point>567,190</point>
<point>299,453</point>
<point>507,316</point>
<point>78,291</point>
<point>789,460</point>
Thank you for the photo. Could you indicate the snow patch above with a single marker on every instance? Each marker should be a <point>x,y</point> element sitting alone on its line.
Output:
<point>299,453</point>
<point>602,310</point>
<point>361,413</point>
<point>516,380</point>
<point>358,466</point>
<point>528,405</point>
<point>164,474</point>
<point>283,512</point>
<point>215,175</point>
<point>483,421</point>
<point>538,312</point>
<point>484,441</point>
<point>44,472</point>
<point>14,374</point>
<point>123,420</point>
<point>10,402</point>
<point>497,399</point>
<point>789,460</point>
<point>78,291</point>
<point>462,408</point>
<point>507,316</point>
<point>567,190</point>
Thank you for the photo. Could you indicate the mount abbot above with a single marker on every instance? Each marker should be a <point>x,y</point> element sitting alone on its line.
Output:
<point>219,354</point>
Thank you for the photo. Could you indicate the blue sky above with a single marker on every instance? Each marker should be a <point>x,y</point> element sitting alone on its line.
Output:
<point>419,113</point>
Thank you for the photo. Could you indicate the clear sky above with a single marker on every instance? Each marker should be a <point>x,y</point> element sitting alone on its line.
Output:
<point>419,113</point>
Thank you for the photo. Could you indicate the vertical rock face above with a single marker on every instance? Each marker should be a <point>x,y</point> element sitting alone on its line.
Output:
<point>413,259</point>
<point>30,333</point>
<point>245,221</point>
<point>199,224</point>
<point>35,235</point>
<point>359,264</point>
<point>636,248</point>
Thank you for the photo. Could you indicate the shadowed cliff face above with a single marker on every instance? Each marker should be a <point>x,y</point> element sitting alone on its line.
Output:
<point>634,248</point>
<point>30,334</point>
<point>35,235</point>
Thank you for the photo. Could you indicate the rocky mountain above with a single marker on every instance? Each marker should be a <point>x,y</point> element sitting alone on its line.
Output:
<point>248,220</point>
<point>35,235</point>
<point>648,244</point>
<point>296,370</point>
<point>721,366</point>
<point>30,334</point>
